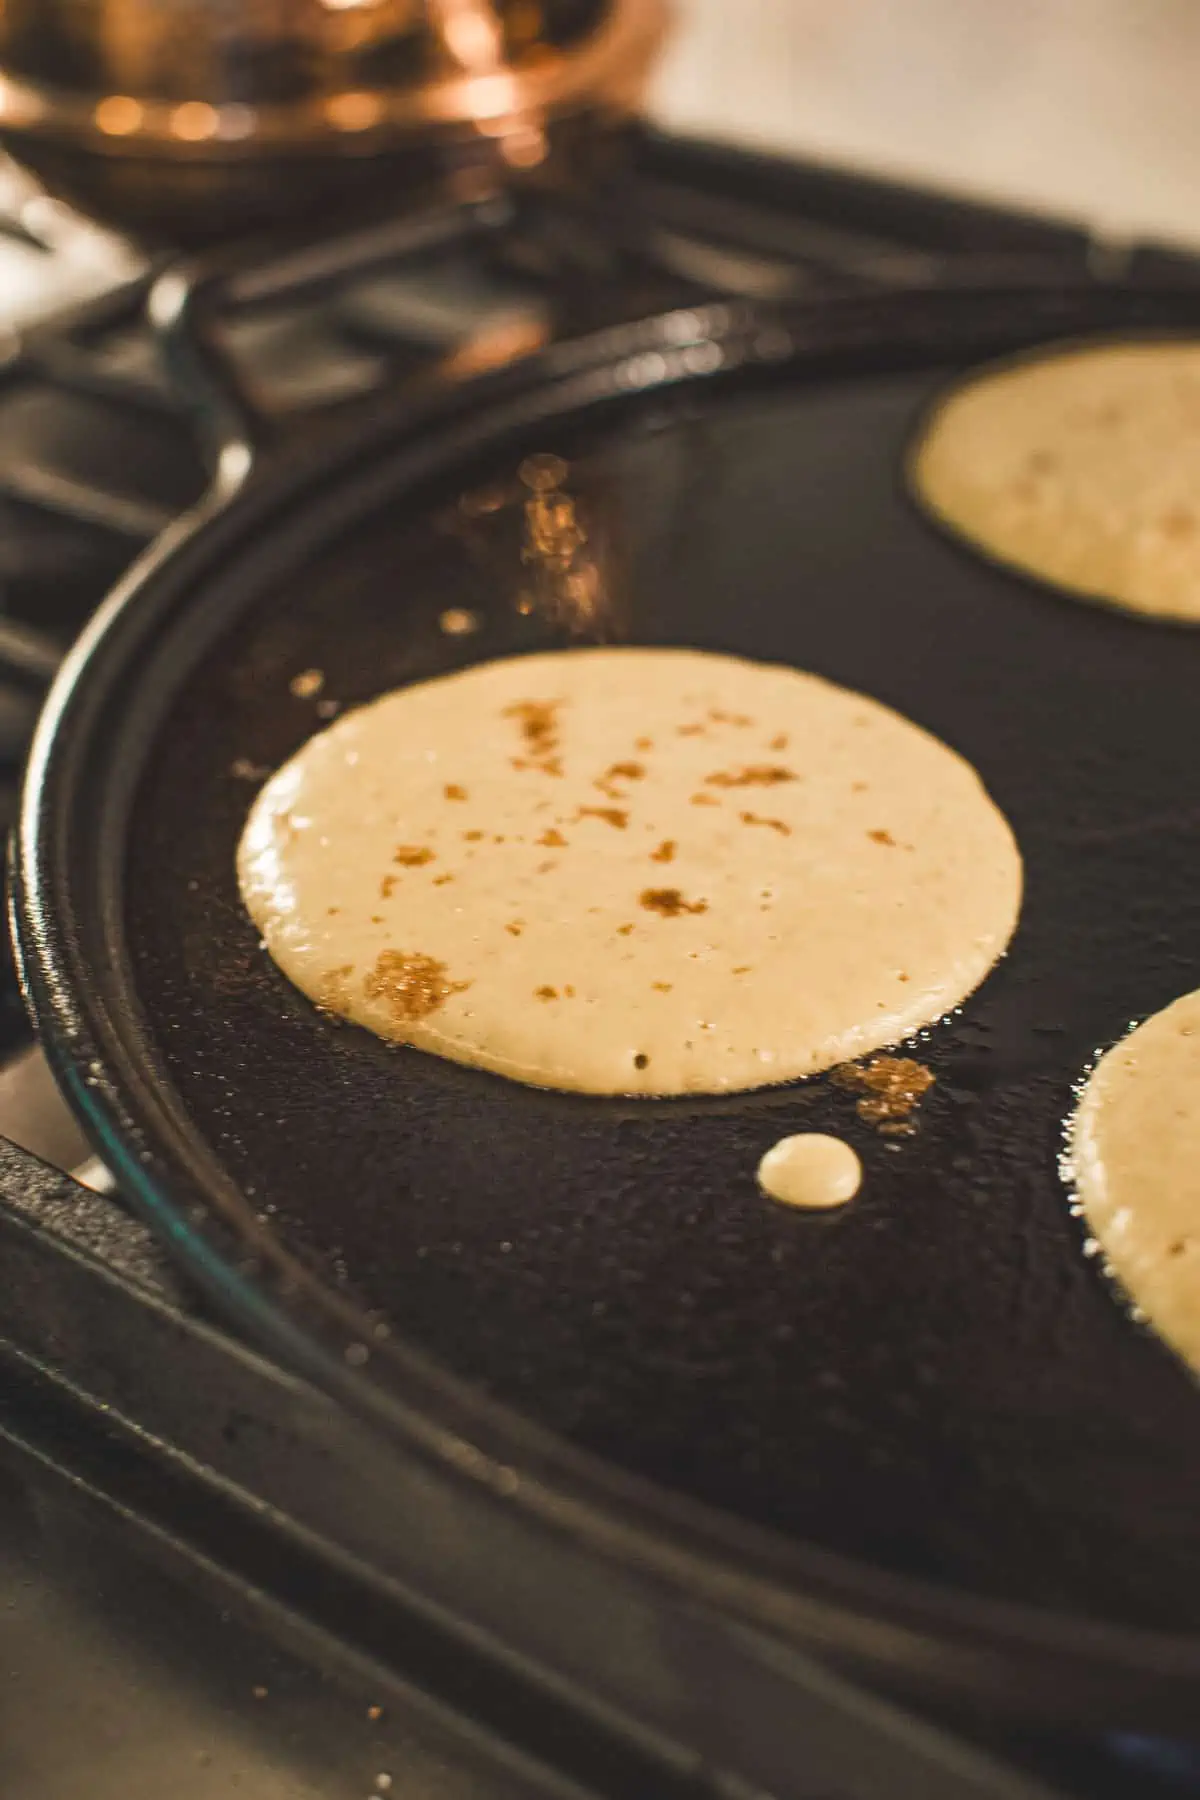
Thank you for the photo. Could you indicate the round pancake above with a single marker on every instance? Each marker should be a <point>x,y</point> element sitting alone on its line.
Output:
<point>1134,1160</point>
<point>1080,467</point>
<point>632,871</point>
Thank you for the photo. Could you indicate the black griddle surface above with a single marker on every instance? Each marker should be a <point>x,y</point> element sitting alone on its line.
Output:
<point>938,1380</point>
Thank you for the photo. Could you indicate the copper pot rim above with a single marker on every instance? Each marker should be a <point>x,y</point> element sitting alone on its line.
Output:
<point>607,69</point>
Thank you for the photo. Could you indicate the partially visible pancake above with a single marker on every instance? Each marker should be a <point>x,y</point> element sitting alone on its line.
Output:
<point>1134,1161</point>
<point>632,870</point>
<point>1080,467</point>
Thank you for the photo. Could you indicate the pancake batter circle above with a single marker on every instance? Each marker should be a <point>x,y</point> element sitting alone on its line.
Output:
<point>1079,467</point>
<point>1134,1162</point>
<point>631,871</point>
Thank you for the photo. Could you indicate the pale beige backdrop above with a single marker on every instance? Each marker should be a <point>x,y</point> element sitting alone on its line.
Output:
<point>1085,107</point>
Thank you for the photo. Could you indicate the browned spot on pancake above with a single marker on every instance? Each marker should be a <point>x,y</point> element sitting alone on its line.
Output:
<point>546,765</point>
<point>453,791</point>
<point>665,852</point>
<point>727,718</point>
<point>779,741</point>
<point>441,880</point>
<point>882,837</point>
<point>661,987</point>
<point>615,816</point>
<point>413,856</point>
<point>1180,522</point>
<point>538,723</point>
<point>704,800</point>
<point>553,839</point>
<point>744,969</point>
<point>754,775</point>
<point>750,818</point>
<point>624,930</point>
<point>618,771</point>
<point>515,927</point>
<point>545,993</point>
<point>669,902</point>
<point>891,1087</point>
<point>472,837</point>
<point>643,743</point>
<point>410,984</point>
<point>690,731</point>
<point>387,886</point>
<point>332,994</point>
<point>858,787</point>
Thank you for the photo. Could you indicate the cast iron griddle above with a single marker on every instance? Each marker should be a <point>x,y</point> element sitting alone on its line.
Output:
<point>938,1381</point>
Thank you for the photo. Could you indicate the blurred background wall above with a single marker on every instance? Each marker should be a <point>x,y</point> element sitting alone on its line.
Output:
<point>1084,107</point>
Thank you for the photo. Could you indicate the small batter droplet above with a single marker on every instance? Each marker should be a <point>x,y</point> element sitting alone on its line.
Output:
<point>810,1170</point>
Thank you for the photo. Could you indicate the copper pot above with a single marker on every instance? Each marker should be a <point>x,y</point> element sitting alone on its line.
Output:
<point>195,117</point>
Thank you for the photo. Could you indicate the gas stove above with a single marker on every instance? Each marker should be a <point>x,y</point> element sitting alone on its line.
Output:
<point>198,1646</point>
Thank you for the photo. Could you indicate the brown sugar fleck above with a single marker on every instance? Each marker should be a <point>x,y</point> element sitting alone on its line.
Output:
<point>665,852</point>
<point>882,837</point>
<point>515,927</point>
<point>890,1088</point>
<point>413,856</point>
<point>779,741</point>
<point>553,839</point>
<point>754,775</point>
<point>545,993</point>
<point>750,818</point>
<point>453,791</point>
<point>410,984</point>
<point>615,816</point>
<point>307,684</point>
<point>387,886</point>
<point>669,902</point>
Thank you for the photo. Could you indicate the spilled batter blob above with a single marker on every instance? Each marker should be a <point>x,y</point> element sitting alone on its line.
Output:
<point>1081,467</point>
<point>529,924</point>
<point>810,1170</point>
<point>1134,1161</point>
